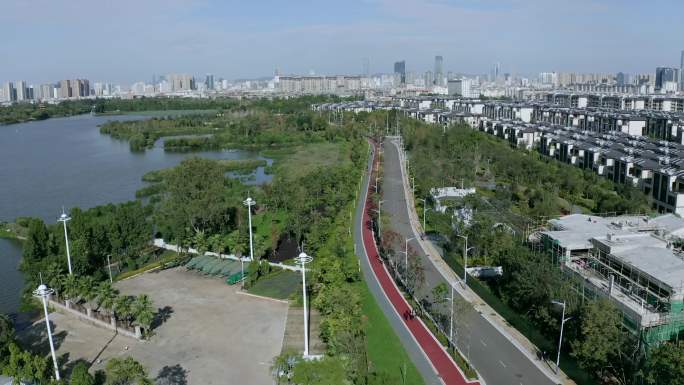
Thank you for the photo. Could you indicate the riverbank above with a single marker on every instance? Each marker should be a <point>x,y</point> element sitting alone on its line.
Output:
<point>13,231</point>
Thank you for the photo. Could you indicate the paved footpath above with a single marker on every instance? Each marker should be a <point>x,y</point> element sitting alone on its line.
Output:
<point>444,369</point>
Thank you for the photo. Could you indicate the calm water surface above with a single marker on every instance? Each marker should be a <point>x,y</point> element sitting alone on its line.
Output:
<point>66,161</point>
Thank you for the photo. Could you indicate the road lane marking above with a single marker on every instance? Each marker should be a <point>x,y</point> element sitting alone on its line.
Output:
<point>502,364</point>
<point>483,343</point>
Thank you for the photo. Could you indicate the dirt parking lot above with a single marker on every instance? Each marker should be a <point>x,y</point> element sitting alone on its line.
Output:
<point>213,335</point>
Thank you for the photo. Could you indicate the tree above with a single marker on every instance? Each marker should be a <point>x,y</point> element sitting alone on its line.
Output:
<point>87,288</point>
<point>142,310</point>
<point>194,199</point>
<point>6,335</point>
<point>126,371</point>
<point>665,364</point>
<point>23,366</point>
<point>123,307</point>
<point>601,337</point>
<point>106,295</point>
<point>36,245</point>
<point>416,273</point>
<point>80,375</point>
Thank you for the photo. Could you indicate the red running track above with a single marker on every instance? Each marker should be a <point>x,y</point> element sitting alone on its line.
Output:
<point>438,356</point>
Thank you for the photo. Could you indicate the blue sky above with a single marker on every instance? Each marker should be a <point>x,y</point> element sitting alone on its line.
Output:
<point>129,40</point>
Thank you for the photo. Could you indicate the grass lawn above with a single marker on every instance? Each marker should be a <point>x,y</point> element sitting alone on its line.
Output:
<point>385,351</point>
<point>279,285</point>
<point>301,160</point>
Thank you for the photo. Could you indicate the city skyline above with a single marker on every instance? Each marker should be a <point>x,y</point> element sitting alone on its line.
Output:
<point>131,41</point>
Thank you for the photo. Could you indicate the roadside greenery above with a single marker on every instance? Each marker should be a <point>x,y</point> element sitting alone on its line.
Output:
<point>517,191</point>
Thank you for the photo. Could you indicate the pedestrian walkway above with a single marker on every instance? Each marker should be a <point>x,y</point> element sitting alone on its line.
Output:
<point>447,369</point>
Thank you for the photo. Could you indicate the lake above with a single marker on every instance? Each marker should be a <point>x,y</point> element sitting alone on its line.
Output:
<point>59,162</point>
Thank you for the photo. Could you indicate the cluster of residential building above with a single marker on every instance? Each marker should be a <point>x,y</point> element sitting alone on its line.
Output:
<point>642,148</point>
<point>634,261</point>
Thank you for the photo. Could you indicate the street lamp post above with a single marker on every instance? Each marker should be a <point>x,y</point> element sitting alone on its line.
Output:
<point>560,339</point>
<point>406,241</point>
<point>379,211</point>
<point>249,202</point>
<point>465,258</point>
<point>43,292</point>
<point>424,210</point>
<point>109,265</point>
<point>303,259</point>
<point>451,318</point>
<point>64,218</point>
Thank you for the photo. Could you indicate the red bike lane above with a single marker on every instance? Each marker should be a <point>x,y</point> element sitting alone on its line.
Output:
<point>446,368</point>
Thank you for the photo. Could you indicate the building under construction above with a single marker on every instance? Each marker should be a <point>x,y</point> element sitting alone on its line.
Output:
<point>635,261</point>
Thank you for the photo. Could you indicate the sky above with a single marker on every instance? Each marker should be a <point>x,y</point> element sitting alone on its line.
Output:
<point>124,41</point>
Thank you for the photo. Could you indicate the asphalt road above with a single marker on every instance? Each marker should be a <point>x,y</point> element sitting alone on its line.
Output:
<point>497,359</point>
<point>410,344</point>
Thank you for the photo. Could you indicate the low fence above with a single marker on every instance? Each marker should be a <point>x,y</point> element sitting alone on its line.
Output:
<point>167,246</point>
<point>96,318</point>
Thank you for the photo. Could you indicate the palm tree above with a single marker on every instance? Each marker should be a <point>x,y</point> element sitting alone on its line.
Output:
<point>87,290</point>
<point>142,310</point>
<point>124,307</point>
<point>106,295</point>
<point>54,276</point>
<point>70,287</point>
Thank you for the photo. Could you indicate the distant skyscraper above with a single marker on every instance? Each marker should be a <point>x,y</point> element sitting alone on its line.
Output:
<point>665,75</point>
<point>681,72</point>
<point>366,67</point>
<point>8,92</point>
<point>20,91</point>
<point>209,82</point>
<point>429,79</point>
<point>400,70</point>
<point>439,72</point>
<point>622,79</point>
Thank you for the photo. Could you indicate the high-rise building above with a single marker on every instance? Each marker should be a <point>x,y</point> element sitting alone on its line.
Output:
<point>64,89</point>
<point>366,67</point>
<point>681,71</point>
<point>20,90</point>
<point>429,79</point>
<point>209,82</point>
<point>400,71</point>
<point>665,75</point>
<point>9,93</point>
<point>181,82</point>
<point>622,79</point>
<point>461,87</point>
<point>439,72</point>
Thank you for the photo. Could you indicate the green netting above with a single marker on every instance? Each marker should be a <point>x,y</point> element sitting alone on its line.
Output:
<point>235,278</point>
<point>193,262</point>
<point>228,268</point>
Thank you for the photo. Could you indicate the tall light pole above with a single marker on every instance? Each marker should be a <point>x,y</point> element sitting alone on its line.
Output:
<point>64,218</point>
<point>109,265</point>
<point>43,292</point>
<point>560,339</point>
<point>249,202</point>
<point>451,319</point>
<point>424,210</point>
<point>465,258</point>
<point>303,259</point>
<point>379,211</point>
<point>406,241</point>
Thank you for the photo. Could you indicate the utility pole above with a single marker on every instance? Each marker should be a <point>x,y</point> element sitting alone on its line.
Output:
<point>406,241</point>
<point>109,265</point>
<point>43,292</point>
<point>465,258</point>
<point>64,218</point>
<point>560,339</point>
<point>249,202</point>
<point>424,210</point>
<point>303,259</point>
